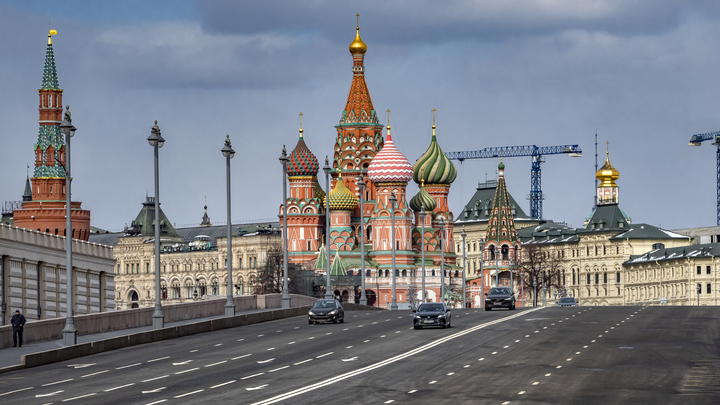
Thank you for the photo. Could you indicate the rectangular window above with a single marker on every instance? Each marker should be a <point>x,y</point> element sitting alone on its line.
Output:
<point>604,278</point>
<point>597,278</point>
<point>707,270</point>
<point>699,269</point>
<point>709,288</point>
<point>588,278</point>
<point>147,265</point>
<point>617,277</point>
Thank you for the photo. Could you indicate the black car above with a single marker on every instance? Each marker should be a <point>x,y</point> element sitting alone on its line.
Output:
<point>567,302</point>
<point>432,314</point>
<point>500,297</point>
<point>326,311</point>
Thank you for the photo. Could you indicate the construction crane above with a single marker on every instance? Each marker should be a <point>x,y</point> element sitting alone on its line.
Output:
<point>537,153</point>
<point>696,140</point>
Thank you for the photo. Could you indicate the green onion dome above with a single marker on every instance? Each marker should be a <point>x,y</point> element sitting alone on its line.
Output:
<point>501,166</point>
<point>423,200</point>
<point>319,192</point>
<point>341,198</point>
<point>434,167</point>
<point>302,162</point>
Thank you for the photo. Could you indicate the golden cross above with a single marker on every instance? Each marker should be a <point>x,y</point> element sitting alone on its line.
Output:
<point>358,19</point>
<point>388,113</point>
<point>301,114</point>
<point>433,110</point>
<point>608,147</point>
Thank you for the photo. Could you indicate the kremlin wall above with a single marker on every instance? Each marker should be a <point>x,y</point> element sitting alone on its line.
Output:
<point>372,224</point>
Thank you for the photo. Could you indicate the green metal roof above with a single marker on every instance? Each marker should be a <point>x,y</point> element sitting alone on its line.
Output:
<point>479,207</point>
<point>707,250</point>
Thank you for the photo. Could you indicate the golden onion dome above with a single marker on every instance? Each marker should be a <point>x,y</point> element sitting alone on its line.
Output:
<point>607,174</point>
<point>341,198</point>
<point>358,46</point>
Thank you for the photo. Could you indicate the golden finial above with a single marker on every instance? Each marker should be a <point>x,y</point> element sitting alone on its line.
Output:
<point>422,183</point>
<point>358,46</point>
<point>301,128</point>
<point>358,21</point>
<point>205,200</point>
<point>50,33</point>
<point>608,148</point>
<point>388,115</point>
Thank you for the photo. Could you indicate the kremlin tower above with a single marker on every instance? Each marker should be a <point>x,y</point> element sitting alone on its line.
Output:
<point>44,211</point>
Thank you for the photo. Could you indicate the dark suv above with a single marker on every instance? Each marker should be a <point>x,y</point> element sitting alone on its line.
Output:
<point>432,314</point>
<point>500,297</point>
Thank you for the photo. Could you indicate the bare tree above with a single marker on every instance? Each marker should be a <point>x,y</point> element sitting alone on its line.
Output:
<point>270,275</point>
<point>540,263</point>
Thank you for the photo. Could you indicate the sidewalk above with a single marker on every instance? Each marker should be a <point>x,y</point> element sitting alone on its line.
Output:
<point>10,356</point>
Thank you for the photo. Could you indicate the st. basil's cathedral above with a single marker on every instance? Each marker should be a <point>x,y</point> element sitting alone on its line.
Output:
<point>361,151</point>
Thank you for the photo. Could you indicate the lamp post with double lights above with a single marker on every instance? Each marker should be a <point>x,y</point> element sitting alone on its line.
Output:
<point>326,169</point>
<point>463,234</point>
<point>69,332</point>
<point>423,214</point>
<point>228,152</point>
<point>393,200</point>
<point>442,260</point>
<point>285,295</point>
<point>361,184</point>
<point>157,141</point>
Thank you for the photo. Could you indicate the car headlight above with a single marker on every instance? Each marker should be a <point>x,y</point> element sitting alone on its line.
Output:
<point>441,316</point>
<point>332,312</point>
<point>416,316</point>
<point>508,299</point>
<point>311,313</point>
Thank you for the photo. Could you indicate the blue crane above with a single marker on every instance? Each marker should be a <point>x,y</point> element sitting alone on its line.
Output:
<point>537,153</point>
<point>696,140</point>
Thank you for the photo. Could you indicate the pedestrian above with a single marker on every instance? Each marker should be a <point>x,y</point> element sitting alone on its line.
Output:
<point>18,322</point>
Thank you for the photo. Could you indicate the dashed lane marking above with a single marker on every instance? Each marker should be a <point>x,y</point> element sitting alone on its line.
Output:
<point>225,383</point>
<point>548,374</point>
<point>570,359</point>
<point>291,343</point>
<point>81,396</point>
<point>156,378</point>
<point>128,366</point>
<point>215,364</point>
<point>536,383</point>
<point>240,340</point>
<point>412,391</point>
<point>117,388</point>
<point>348,347</point>
<point>577,352</point>
<point>493,353</point>
<point>389,401</point>
<point>382,336</point>
<point>521,392</point>
<point>12,392</point>
<point>278,369</point>
<point>365,341</point>
<point>189,393</point>
<point>432,382</point>
<point>272,348</point>
<point>240,357</point>
<point>251,376</point>
<point>57,382</point>
<point>187,371</point>
<point>466,366</point>
<point>323,355</point>
<point>182,363</point>
<point>304,361</point>
<point>265,361</point>
<point>193,351</point>
<point>558,367</point>
<point>450,373</point>
<point>505,347</point>
<point>157,402</point>
<point>49,394</point>
<point>158,359</point>
<point>256,388</point>
<point>219,344</point>
<point>481,359</point>
<point>90,375</point>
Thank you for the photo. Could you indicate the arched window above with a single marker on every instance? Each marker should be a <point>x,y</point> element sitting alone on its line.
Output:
<point>404,273</point>
<point>505,251</point>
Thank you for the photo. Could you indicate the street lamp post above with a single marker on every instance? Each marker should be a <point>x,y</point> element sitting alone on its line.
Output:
<point>423,214</point>
<point>463,234</point>
<point>556,297</point>
<point>285,296</point>
<point>522,288</point>
<point>69,332</point>
<point>393,200</point>
<point>534,291</point>
<point>363,297</point>
<point>698,293</point>
<point>497,267</point>
<point>228,152</point>
<point>326,169</point>
<point>482,273</point>
<point>442,260</point>
<point>544,288</point>
<point>156,141</point>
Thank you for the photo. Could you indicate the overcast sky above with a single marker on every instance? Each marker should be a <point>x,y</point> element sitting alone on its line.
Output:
<point>643,74</point>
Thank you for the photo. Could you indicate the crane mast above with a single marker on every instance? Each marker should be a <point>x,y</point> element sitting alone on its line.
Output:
<point>697,140</point>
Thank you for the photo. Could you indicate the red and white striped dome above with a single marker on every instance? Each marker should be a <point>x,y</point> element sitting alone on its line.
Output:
<point>390,165</point>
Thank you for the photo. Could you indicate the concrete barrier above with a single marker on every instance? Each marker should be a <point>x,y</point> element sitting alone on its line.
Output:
<point>84,349</point>
<point>51,329</point>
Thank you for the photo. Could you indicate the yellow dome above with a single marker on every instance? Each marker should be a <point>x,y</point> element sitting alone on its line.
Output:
<point>358,46</point>
<point>341,198</point>
<point>607,174</point>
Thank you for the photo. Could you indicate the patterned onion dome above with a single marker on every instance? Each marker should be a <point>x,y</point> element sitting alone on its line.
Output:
<point>390,165</point>
<point>302,162</point>
<point>434,167</point>
<point>423,200</point>
<point>341,198</point>
<point>319,192</point>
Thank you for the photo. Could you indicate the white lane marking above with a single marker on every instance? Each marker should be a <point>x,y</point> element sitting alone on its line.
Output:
<point>304,361</point>
<point>12,392</point>
<point>57,382</point>
<point>558,367</point>
<point>219,344</point>
<point>350,359</point>
<point>397,332</point>
<point>265,361</point>
<point>291,343</point>
<point>129,365</point>
<point>548,374</point>
<point>432,382</point>
<point>348,347</point>
<point>82,396</point>
<point>517,341</point>
<point>240,357</point>
<point>49,395</point>
<point>493,353</point>
<point>466,366</point>
<point>251,376</point>
<point>157,402</point>
<point>365,341</point>
<point>592,341</point>
<point>577,352</point>
<point>585,347</point>
<point>225,383</point>
<point>182,363</point>
<point>193,351</point>
<point>481,359</point>
<point>329,333</point>
<point>278,369</point>
<point>450,373</point>
<point>275,331</point>
<point>90,375</point>
<point>361,326</point>
<point>521,392</point>
<point>390,401</point>
<point>158,359</point>
<point>504,347</point>
<point>81,365</point>
<point>537,331</point>
<point>374,323</point>
<point>412,391</point>
<point>260,335</point>
<point>536,383</point>
<point>189,393</point>
<point>399,317</point>
<point>612,327</point>
<point>311,337</point>
<point>324,383</point>
<point>117,388</point>
<point>382,336</point>
<point>239,340</point>
<point>154,391</point>
<point>570,359</point>
<point>323,355</point>
<point>544,327</point>
<point>215,364</point>
<point>346,328</point>
<point>297,327</point>
<point>156,378</point>
<point>272,348</point>
<point>599,335</point>
<point>506,403</point>
<point>607,331</point>
<point>256,388</point>
<point>187,371</point>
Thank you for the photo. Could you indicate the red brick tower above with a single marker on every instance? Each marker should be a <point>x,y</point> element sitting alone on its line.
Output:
<point>46,210</point>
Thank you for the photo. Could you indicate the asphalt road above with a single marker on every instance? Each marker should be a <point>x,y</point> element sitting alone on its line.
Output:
<point>608,355</point>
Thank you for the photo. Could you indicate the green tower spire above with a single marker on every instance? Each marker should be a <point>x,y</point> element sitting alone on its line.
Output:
<point>50,79</point>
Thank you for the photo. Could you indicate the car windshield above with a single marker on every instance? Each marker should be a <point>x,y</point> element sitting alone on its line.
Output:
<point>567,299</point>
<point>324,304</point>
<point>499,291</point>
<point>431,307</point>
